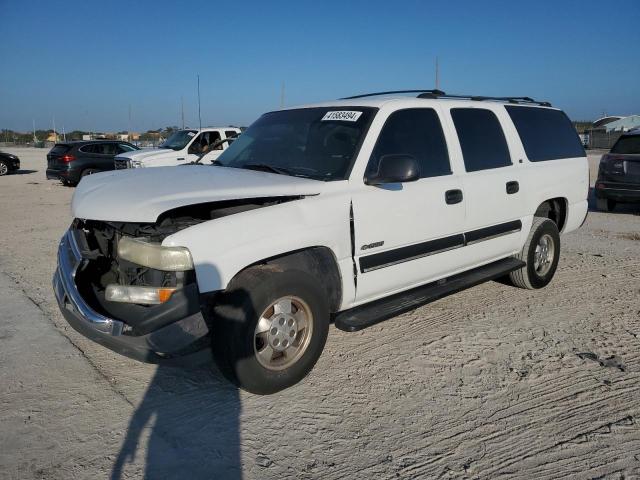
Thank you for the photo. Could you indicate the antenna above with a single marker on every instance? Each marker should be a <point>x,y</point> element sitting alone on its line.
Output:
<point>282,95</point>
<point>437,75</point>
<point>182,110</point>
<point>199,117</point>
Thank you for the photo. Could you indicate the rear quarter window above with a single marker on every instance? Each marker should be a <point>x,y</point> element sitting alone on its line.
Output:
<point>60,149</point>
<point>546,134</point>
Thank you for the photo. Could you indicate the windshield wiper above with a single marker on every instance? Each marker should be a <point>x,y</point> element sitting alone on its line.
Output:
<point>268,168</point>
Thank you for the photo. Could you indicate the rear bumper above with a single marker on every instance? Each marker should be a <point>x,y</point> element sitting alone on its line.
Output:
<point>184,341</point>
<point>621,192</point>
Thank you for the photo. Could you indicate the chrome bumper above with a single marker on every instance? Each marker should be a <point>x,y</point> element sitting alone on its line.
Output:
<point>69,299</point>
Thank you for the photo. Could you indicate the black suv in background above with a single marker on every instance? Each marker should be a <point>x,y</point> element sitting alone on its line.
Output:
<point>8,163</point>
<point>70,161</point>
<point>619,173</point>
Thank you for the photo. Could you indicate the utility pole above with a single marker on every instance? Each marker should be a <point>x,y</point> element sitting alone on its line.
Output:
<point>199,117</point>
<point>64,135</point>
<point>55,134</point>
<point>437,75</point>
<point>129,127</point>
<point>182,110</point>
<point>35,139</point>
<point>282,95</point>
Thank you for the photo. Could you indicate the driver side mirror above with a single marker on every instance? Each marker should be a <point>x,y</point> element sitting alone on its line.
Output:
<point>394,168</point>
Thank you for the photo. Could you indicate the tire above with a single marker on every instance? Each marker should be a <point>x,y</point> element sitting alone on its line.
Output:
<point>4,168</point>
<point>605,204</point>
<point>243,354</point>
<point>68,183</point>
<point>535,274</point>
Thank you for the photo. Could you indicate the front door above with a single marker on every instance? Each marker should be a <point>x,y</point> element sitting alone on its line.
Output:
<point>411,233</point>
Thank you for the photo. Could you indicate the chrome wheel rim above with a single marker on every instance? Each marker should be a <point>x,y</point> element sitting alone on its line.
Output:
<point>543,256</point>
<point>3,169</point>
<point>283,333</point>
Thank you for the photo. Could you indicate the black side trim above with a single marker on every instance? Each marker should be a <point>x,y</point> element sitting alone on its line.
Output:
<point>487,233</point>
<point>375,261</point>
<point>377,311</point>
<point>411,252</point>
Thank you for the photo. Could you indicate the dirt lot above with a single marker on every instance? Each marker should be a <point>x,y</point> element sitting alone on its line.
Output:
<point>492,382</point>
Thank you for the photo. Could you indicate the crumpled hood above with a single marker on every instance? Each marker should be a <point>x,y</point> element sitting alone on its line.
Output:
<point>142,194</point>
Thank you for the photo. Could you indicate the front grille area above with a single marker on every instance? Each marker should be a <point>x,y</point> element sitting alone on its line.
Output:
<point>121,163</point>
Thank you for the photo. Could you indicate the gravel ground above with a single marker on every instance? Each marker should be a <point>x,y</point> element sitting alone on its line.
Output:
<point>491,382</point>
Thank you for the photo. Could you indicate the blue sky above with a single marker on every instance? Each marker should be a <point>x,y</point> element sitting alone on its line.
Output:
<point>86,61</point>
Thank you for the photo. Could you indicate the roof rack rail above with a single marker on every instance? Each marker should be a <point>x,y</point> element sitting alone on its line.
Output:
<point>441,94</point>
<point>434,93</point>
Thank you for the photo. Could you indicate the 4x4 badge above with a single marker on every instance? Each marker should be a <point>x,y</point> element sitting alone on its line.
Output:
<point>372,245</point>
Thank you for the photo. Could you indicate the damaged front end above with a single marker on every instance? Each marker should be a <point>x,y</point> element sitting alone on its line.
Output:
<point>117,285</point>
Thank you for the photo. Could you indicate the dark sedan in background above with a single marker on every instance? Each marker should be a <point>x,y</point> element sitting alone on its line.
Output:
<point>8,163</point>
<point>619,173</point>
<point>70,161</point>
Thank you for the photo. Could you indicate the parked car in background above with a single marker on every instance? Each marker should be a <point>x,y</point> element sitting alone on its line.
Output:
<point>8,163</point>
<point>619,173</point>
<point>70,161</point>
<point>354,211</point>
<point>181,148</point>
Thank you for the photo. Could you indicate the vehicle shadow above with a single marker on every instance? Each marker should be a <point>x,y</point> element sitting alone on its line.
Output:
<point>188,423</point>
<point>621,208</point>
<point>186,426</point>
<point>23,172</point>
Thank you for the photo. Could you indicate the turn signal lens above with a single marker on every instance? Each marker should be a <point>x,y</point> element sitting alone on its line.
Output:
<point>140,295</point>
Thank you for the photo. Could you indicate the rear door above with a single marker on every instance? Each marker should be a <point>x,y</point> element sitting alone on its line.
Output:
<point>408,234</point>
<point>495,205</point>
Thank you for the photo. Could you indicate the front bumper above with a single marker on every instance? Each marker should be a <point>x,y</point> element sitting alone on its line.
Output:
<point>184,341</point>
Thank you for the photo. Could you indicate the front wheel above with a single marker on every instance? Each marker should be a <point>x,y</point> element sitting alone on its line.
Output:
<point>4,168</point>
<point>541,253</point>
<point>269,328</point>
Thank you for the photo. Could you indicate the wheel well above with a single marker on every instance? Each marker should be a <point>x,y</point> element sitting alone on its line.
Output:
<point>317,261</point>
<point>554,209</point>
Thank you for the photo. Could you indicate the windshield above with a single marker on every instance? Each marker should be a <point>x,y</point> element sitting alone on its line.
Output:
<point>627,145</point>
<point>178,140</point>
<point>319,143</point>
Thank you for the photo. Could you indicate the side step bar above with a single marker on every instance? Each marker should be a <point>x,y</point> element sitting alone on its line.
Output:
<point>364,316</point>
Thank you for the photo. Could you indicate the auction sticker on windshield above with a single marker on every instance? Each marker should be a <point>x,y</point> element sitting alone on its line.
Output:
<point>342,115</point>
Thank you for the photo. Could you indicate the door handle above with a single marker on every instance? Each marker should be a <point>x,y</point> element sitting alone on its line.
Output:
<point>453,196</point>
<point>513,187</point>
<point>180,158</point>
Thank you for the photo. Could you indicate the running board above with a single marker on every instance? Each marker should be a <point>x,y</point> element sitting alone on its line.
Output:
<point>364,316</point>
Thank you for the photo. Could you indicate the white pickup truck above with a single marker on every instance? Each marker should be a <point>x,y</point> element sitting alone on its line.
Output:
<point>182,147</point>
<point>351,211</point>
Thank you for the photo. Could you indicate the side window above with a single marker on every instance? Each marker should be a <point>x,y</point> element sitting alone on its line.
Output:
<point>88,148</point>
<point>195,145</point>
<point>230,134</point>
<point>109,148</point>
<point>416,132</point>
<point>123,147</point>
<point>481,139</point>
<point>546,134</point>
<point>213,138</point>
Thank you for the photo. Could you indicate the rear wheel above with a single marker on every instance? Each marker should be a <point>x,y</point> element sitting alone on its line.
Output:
<point>4,168</point>
<point>88,171</point>
<point>541,253</point>
<point>269,328</point>
<point>606,204</point>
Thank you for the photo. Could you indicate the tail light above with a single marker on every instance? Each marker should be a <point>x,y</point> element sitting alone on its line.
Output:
<point>68,158</point>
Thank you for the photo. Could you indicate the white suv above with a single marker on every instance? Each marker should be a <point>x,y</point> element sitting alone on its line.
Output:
<point>181,148</point>
<point>350,211</point>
